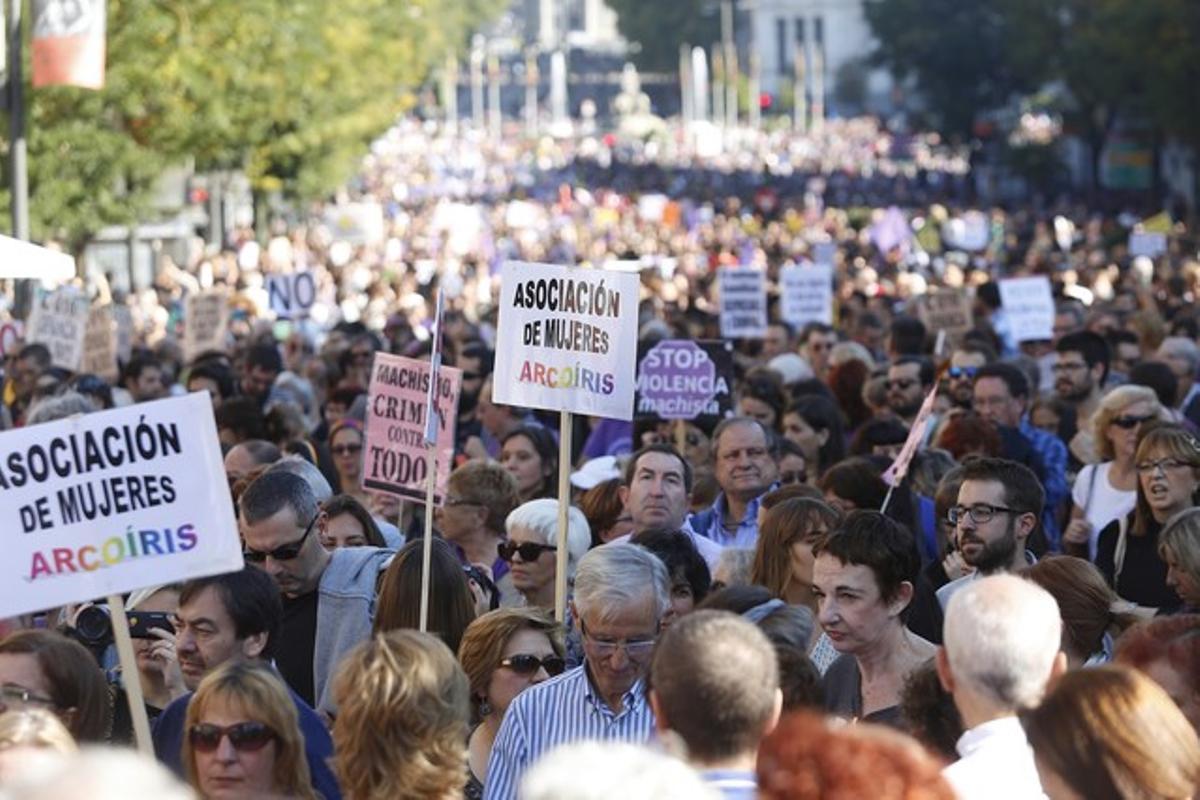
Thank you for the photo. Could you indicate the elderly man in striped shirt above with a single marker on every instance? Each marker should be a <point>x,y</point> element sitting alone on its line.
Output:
<point>621,594</point>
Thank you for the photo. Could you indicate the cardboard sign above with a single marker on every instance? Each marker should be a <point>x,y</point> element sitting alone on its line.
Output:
<point>124,317</point>
<point>59,321</point>
<point>743,303</point>
<point>395,459</point>
<point>292,296</point>
<point>682,379</point>
<point>566,339</point>
<point>806,294</point>
<point>205,319</point>
<point>947,310</point>
<point>100,344</point>
<point>114,501</point>
<point>1029,305</point>
<point>1149,244</point>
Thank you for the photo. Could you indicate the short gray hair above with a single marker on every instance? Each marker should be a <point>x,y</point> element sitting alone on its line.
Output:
<point>295,465</point>
<point>540,517</point>
<point>1002,634</point>
<point>618,574</point>
<point>600,770</point>
<point>64,406</point>
<point>275,490</point>
<point>1181,347</point>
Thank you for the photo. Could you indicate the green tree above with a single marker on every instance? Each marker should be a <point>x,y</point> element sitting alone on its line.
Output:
<point>660,28</point>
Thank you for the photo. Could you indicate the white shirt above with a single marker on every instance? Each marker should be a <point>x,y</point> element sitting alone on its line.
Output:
<point>1102,502</point>
<point>996,762</point>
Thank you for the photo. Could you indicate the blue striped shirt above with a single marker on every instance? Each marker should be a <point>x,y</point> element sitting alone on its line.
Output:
<point>560,711</point>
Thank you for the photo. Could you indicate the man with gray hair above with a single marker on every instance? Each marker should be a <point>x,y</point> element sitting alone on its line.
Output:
<point>622,592</point>
<point>1182,355</point>
<point>716,686</point>
<point>1002,646</point>
<point>328,598</point>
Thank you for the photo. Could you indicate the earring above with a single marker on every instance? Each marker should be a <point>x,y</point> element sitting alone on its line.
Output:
<point>485,708</point>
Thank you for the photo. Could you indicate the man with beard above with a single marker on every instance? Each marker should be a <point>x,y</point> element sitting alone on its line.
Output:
<point>965,362</point>
<point>999,505</point>
<point>259,371</point>
<point>744,455</point>
<point>1079,374</point>
<point>909,379</point>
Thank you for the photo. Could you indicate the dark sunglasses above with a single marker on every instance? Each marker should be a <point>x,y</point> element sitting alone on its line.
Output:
<point>346,449</point>
<point>1130,422</point>
<point>526,665</point>
<point>285,552</point>
<point>246,737</point>
<point>529,551</point>
<point>962,372</point>
<point>901,383</point>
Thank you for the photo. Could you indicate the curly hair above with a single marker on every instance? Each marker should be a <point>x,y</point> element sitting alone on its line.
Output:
<point>401,730</point>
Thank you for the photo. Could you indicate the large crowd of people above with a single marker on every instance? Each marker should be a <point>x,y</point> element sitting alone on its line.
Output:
<point>755,607</point>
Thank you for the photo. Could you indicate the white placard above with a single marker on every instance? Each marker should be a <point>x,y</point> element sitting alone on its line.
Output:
<point>567,339</point>
<point>59,321</point>
<point>205,319</point>
<point>806,294</point>
<point>743,302</point>
<point>292,296</point>
<point>114,501</point>
<point>356,223</point>
<point>969,232</point>
<point>1029,305</point>
<point>1149,244</point>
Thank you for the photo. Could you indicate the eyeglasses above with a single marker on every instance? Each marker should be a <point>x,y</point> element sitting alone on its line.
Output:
<point>1071,367</point>
<point>1165,464</point>
<point>979,513</point>
<point>529,551</point>
<point>526,665</point>
<point>246,737</point>
<point>14,696</point>
<point>346,449</point>
<point>901,383</point>
<point>285,552</point>
<point>1129,422</point>
<point>634,648</point>
<point>962,372</point>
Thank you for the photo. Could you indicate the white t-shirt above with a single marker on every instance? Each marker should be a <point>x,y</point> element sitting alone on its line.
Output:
<point>1100,500</point>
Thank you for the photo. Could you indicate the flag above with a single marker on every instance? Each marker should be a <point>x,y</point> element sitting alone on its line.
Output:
<point>68,43</point>
<point>435,360</point>
<point>1159,223</point>
<point>899,468</point>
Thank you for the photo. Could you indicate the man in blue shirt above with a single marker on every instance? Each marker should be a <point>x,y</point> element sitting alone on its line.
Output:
<point>716,685</point>
<point>744,456</point>
<point>622,592</point>
<point>226,617</point>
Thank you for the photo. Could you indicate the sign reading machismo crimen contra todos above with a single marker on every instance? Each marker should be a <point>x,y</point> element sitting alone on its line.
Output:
<point>567,339</point>
<point>113,501</point>
<point>396,459</point>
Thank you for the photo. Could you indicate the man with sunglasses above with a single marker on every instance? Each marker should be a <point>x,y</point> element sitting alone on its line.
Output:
<point>909,380</point>
<point>999,506</point>
<point>622,592</point>
<point>234,617</point>
<point>816,344</point>
<point>328,598</point>
<point>965,362</point>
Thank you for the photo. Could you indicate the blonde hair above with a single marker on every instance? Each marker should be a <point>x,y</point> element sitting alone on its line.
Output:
<point>1112,732</point>
<point>1162,440</point>
<point>1180,538</point>
<point>483,644</point>
<point>259,694</point>
<point>401,729</point>
<point>1111,406</point>
<point>35,727</point>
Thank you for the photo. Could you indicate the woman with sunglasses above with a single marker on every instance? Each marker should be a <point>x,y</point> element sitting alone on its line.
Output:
<point>243,737</point>
<point>346,440</point>
<point>531,550</point>
<point>504,652</point>
<point>1107,490</point>
<point>1127,550</point>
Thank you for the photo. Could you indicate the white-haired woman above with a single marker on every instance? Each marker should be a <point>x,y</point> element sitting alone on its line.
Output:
<point>532,549</point>
<point>1107,490</point>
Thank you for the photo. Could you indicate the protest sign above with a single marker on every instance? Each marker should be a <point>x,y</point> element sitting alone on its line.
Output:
<point>205,319</point>
<point>11,334</point>
<point>969,232</point>
<point>293,295</point>
<point>806,294</point>
<point>1029,307</point>
<point>566,339</point>
<point>1149,244</point>
<point>891,231</point>
<point>823,253</point>
<point>100,344</point>
<point>124,317</point>
<point>916,437</point>
<point>947,310</point>
<point>680,379</point>
<point>743,302</point>
<point>356,223</point>
<point>395,460</point>
<point>114,501</point>
<point>59,321</point>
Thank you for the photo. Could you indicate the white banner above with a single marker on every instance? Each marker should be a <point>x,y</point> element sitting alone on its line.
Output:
<point>1029,305</point>
<point>293,295</point>
<point>743,302</point>
<point>114,501</point>
<point>806,294</point>
<point>567,339</point>
<point>59,321</point>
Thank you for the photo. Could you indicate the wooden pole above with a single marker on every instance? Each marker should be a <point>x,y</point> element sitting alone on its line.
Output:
<point>132,678</point>
<point>564,505</point>
<point>427,545</point>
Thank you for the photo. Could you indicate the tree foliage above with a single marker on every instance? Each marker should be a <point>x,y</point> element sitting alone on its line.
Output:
<point>660,28</point>
<point>290,91</point>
